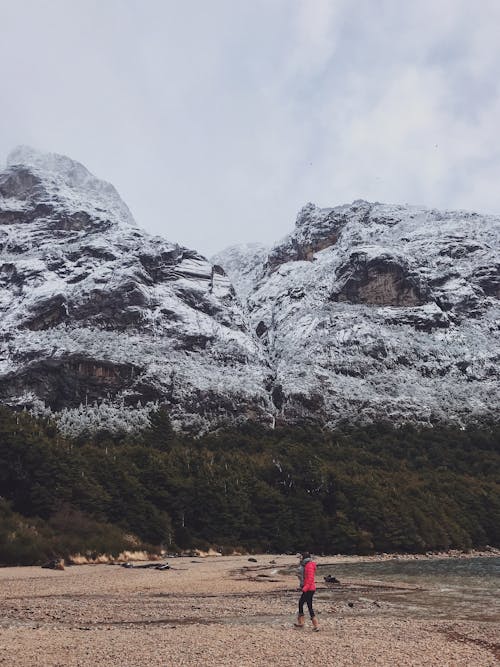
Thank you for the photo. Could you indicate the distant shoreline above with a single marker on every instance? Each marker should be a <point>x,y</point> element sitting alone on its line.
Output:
<point>491,552</point>
<point>334,559</point>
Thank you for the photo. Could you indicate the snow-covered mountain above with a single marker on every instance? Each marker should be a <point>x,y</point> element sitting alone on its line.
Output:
<point>100,321</point>
<point>244,262</point>
<point>364,311</point>
<point>371,311</point>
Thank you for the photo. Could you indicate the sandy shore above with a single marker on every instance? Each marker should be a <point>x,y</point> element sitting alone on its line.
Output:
<point>220,611</point>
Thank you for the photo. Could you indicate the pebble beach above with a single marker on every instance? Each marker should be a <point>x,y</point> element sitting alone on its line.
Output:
<point>223,611</point>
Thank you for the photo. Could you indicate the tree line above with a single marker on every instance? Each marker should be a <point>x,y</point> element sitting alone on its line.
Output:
<point>359,489</point>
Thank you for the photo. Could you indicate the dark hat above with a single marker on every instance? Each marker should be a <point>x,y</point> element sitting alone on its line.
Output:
<point>305,554</point>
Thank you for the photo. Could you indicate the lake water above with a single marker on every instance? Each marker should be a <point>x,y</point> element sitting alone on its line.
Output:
<point>453,588</point>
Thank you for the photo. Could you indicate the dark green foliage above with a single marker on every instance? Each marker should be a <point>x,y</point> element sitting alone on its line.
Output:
<point>27,541</point>
<point>356,490</point>
<point>160,433</point>
<point>22,541</point>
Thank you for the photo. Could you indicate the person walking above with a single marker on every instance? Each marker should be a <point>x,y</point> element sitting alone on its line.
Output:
<point>307,569</point>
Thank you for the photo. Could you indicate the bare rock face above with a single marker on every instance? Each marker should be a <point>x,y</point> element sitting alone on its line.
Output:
<point>369,311</point>
<point>96,312</point>
<point>314,231</point>
<point>68,381</point>
<point>487,278</point>
<point>382,281</point>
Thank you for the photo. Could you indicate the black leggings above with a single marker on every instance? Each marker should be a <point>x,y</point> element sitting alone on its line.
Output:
<point>306,597</point>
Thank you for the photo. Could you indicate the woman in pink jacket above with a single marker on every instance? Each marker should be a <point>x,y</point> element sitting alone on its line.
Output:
<point>307,586</point>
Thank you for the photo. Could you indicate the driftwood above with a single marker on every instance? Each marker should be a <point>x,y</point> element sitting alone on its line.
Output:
<point>54,564</point>
<point>147,566</point>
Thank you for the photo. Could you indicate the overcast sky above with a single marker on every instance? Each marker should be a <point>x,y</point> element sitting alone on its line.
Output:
<point>217,120</point>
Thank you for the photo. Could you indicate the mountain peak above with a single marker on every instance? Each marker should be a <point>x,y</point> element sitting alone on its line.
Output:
<point>70,182</point>
<point>105,315</point>
<point>53,163</point>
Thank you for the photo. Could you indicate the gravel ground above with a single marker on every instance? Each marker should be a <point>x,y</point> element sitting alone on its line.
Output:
<point>220,611</point>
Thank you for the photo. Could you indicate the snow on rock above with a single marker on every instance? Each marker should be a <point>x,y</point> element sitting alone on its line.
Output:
<point>95,310</point>
<point>371,311</point>
<point>244,264</point>
<point>59,182</point>
<point>364,312</point>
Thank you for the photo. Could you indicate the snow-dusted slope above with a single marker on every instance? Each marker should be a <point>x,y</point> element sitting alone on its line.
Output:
<point>365,311</point>
<point>371,311</point>
<point>243,264</point>
<point>92,309</point>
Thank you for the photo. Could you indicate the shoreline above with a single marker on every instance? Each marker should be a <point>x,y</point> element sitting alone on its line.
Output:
<point>227,611</point>
<point>141,556</point>
<point>133,557</point>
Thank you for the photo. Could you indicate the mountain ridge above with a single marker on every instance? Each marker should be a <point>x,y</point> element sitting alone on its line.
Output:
<point>363,312</point>
<point>380,310</point>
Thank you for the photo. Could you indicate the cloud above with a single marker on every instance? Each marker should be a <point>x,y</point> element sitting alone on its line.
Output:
<point>217,121</point>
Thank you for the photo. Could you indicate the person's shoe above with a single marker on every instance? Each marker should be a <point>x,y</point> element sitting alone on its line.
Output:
<point>315,624</point>
<point>299,623</point>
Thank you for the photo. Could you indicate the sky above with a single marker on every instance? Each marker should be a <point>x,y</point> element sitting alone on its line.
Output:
<point>217,121</point>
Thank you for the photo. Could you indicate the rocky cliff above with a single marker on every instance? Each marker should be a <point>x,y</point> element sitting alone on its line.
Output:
<point>100,321</point>
<point>365,311</point>
<point>370,311</point>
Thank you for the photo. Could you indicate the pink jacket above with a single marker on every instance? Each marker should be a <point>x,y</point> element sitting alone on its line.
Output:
<point>309,583</point>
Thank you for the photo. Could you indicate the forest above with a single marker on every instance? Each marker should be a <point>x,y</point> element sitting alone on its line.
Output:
<point>359,489</point>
